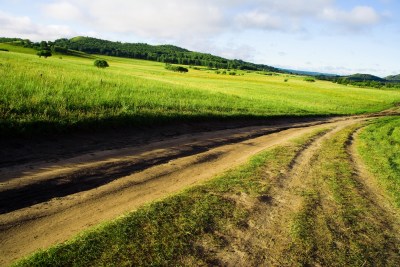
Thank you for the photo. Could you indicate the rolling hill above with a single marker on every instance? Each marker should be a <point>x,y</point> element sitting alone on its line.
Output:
<point>87,46</point>
<point>363,78</point>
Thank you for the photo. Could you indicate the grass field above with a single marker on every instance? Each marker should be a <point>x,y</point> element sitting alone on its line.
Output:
<point>379,147</point>
<point>60,93</point>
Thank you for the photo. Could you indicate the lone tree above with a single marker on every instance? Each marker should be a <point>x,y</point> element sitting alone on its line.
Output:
<point>44,53</point>
<point>100,63</point>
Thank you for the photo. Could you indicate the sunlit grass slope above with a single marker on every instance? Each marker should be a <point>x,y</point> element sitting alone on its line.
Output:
<point>60,93</point>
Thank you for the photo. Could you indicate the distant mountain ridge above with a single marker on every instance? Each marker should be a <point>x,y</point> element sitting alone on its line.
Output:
<point>358,77</point>
<point>393,78</point>
<point>309,73</point>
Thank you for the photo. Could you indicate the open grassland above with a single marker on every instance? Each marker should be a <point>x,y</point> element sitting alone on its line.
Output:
<point>379,146</point>
<point>299,204</point>
<point>40,95</point>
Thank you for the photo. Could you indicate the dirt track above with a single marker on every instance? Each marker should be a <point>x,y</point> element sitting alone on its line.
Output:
<point>44,203</point>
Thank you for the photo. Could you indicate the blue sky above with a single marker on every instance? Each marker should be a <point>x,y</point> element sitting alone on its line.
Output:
<point>318,35</point>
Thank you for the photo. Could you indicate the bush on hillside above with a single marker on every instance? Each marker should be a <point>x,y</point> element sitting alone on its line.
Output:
<point>176,68</point>
<point>44,53</point>
<point>100,63</point>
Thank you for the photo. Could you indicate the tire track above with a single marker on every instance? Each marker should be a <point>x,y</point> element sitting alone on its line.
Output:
<point>269,233</point>
<point>269,240</point>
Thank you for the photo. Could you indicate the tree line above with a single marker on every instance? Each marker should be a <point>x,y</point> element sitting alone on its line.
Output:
<point>161,53</point>
<point>361,80</point>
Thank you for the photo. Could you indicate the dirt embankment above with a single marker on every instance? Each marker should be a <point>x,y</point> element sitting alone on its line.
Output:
<point>47,197</point>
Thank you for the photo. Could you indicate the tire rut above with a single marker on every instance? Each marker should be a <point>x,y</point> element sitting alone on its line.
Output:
<point>370,189</point>
<point>87,178</point>
<point>286,194</point>
<point>268,233</point>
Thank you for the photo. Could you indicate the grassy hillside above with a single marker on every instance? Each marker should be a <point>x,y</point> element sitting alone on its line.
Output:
<point>159,53</point>
<point>40,95</point>
<point>8,47</point>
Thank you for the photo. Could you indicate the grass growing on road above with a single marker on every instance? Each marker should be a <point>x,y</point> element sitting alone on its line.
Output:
<point>50,95</point>
<point>339,224</point>
<point>379,147</point>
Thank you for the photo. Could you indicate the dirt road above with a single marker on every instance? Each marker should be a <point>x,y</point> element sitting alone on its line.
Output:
<point>49,200</point>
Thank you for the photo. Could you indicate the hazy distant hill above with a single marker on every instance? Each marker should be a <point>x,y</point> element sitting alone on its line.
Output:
<point>309,73</point>
<point>363,78</point>
<point>394,78</point>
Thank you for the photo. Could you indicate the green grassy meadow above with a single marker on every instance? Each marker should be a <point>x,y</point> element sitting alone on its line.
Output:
<point>64,92</point>
<point>379,146</point>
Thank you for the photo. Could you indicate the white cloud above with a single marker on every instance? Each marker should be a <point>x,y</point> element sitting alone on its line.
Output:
<point>359,16</point>
<point>183,20</point>
<point>63,10</point>
<point>152,18</point>
<point>24,27</point>
<point>296,7</point>
<point>257,19</point>
<point>234,51</point>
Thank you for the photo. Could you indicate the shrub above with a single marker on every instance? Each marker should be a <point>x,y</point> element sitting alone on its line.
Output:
<point>100,63</point>
<point>44,53</point>
<point>309,79</point>
<point>176,68</point>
